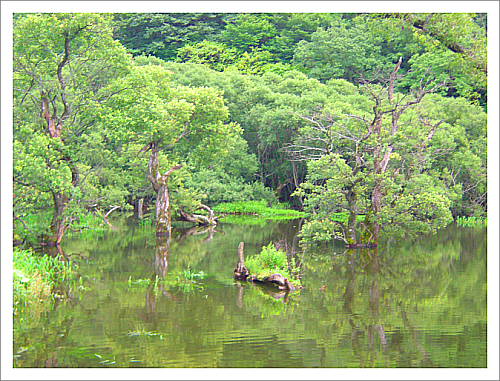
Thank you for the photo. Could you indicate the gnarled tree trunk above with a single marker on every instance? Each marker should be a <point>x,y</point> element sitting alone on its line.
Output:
<point>159,182</point>
<point>59,221</point>
<point>199,219</point>
<point>163,217</point>
<point>240,272</point>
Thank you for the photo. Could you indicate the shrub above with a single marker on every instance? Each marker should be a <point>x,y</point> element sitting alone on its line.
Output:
<point>272,261</point>
<point>33,280</point>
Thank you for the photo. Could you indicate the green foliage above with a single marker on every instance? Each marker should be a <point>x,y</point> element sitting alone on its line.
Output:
<point>471,221</point>
<point>219,186</point>
<point>421,207</point>
<point>273,261</point>
<point>58,149</point>
<point>34,278</point>
<point>232,111</point>
<point>229,178</point>
<point>256,207</point>
<point>247,31</point>
<point>163,113</point>
<point>163,34</point>
<point>316,231</point>
<point>453,41</point>
<point>215,55</point>
<point>342,51</point>
<point>411,199</point>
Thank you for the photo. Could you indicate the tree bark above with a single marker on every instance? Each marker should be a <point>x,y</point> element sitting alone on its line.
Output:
<point>240,272</point>
<point>139,208</point>
<point>200,219</point>
<point>59,221</point>
<point>351,197</point>
<point>163,217</point>
<point>162,254</point>
<point>55,123</point>
<point>159,183</point>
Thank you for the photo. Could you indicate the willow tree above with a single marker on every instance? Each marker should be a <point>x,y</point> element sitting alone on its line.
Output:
<point>370,156</point>
<point>172,123</point>
<point>61,63</point>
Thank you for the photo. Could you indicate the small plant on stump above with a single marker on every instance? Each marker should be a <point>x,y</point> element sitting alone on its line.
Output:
<point>272,260</point>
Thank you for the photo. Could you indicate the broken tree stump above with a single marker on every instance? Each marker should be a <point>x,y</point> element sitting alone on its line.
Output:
<point>240,272</point>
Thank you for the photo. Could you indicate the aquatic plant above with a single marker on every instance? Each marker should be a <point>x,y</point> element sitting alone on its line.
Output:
<point>146,222</point>
<point>190,274</point>
<point>144,282</point>
<point>471,221</point>
<point>34,278</point>
<point>142,332</point>
<point>272,260</point>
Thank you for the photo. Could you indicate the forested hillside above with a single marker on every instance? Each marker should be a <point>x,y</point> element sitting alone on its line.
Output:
<point>380,116</point>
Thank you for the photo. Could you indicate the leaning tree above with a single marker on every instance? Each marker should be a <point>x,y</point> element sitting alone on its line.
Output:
<point>173,123</point>
<point>61,64</point>
<point>368,154</point>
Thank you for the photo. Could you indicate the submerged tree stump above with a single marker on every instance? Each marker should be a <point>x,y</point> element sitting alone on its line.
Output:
<point>241,273</point>
<point>278,279</point>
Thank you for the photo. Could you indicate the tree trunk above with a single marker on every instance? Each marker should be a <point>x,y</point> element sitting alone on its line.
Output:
<point>371,227</point>
<point>59,221</point>
<point>200,219</point>
<point>352,198</point>
<point>162,254</point>
<point>159,183</point>
<point>139,209</point>
<point>240,272</point>
<point>163,218</point>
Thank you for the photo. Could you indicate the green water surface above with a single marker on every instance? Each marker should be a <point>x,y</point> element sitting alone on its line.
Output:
<point>417,303</point>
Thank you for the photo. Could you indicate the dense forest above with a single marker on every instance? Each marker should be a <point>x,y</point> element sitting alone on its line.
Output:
<point>381,118</point>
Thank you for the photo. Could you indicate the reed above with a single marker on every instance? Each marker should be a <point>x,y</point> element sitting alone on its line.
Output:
<point>34,278</point>
<point>471,221</point>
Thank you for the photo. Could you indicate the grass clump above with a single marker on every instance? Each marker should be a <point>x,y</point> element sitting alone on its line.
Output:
<point>471,221</point>
<point>34,278</point>
<point>258,208</point>
<point>272,260</point>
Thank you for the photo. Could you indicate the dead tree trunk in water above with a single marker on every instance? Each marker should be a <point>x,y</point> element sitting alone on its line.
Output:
<point>159,183</point>
<point>163,217</point>
<point>162,254</point>
<point>200,219</point>
<point>240,272</point>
